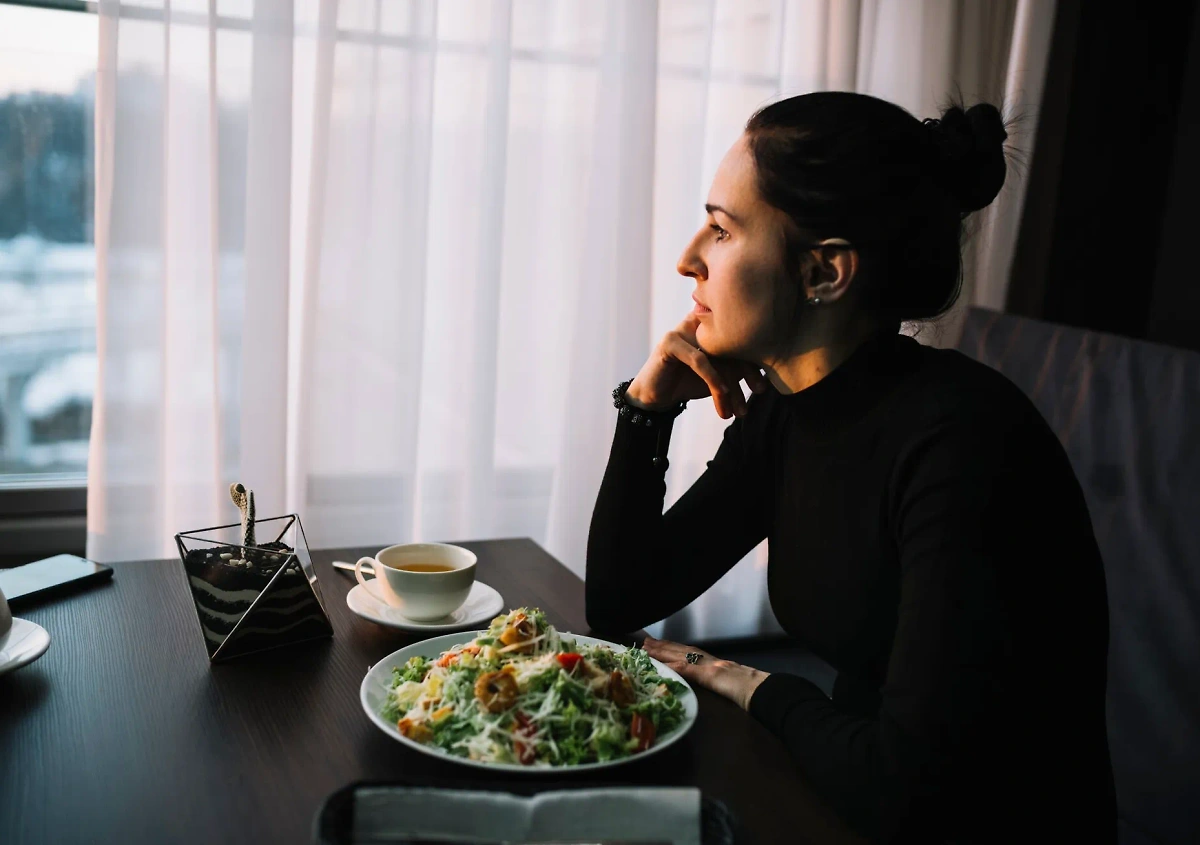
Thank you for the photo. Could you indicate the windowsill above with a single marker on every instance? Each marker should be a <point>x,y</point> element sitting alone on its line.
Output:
<point>42,515</point>
<point>41,481</point>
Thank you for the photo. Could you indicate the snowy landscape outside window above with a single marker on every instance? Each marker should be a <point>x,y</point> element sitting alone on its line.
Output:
<point>47,261</point>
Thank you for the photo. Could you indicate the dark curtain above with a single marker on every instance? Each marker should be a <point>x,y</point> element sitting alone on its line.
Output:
<point>1106,231</point>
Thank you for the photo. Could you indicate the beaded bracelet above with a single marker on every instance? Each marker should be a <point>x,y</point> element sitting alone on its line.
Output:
<point>640,416</point>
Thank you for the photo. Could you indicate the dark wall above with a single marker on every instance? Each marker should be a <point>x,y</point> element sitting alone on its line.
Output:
<point>1113,177</point>
<point>1175,302</point>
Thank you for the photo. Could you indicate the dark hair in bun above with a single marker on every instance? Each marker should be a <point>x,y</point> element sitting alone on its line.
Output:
<point>853,166</point>
<point>971,146</point>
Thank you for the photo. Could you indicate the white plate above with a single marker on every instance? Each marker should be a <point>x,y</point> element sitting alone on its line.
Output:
<point>483,604</point>
<point>374,691</point>
<point>24,643</point>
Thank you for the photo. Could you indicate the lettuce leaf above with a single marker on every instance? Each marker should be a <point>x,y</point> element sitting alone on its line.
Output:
<point>414,670</point>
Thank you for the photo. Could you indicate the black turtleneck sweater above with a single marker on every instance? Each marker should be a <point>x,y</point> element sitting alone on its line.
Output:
<point>928,539</point>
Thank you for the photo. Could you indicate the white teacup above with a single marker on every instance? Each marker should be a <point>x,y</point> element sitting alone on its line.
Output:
<point>424,581</point>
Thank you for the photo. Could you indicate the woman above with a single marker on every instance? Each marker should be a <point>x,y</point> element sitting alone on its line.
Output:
<point>928,537</point>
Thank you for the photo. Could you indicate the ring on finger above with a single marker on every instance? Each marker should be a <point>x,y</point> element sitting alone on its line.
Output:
<point>693,657</point>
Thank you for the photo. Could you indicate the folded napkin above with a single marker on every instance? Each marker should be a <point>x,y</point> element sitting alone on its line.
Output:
<point>669,814</point>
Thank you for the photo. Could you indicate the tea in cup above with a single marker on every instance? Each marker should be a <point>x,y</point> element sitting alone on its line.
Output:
<point>424,581</point>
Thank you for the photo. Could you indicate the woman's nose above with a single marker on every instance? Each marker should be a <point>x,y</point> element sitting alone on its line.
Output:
<point>690,263</point>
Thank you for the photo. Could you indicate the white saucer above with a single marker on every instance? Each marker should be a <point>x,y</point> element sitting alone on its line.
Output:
<point>24,643</point>
<point>483,604</point>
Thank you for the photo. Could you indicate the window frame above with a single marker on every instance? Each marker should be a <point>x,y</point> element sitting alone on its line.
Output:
<point>40,517</point>
<point>54,5</point>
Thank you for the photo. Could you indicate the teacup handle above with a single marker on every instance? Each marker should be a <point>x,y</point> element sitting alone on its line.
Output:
<point>370,561</point>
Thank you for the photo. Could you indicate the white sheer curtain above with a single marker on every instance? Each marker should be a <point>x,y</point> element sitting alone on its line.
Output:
<point>384,261</point>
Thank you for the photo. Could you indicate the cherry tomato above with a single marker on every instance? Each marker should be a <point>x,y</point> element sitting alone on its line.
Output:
<point>642,729</point>
<point>569,661</point>
<point>525,751</point>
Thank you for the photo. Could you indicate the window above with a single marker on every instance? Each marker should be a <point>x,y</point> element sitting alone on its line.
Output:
<point>48,54</point>
<point>47,276</point>
<point>47,262</point>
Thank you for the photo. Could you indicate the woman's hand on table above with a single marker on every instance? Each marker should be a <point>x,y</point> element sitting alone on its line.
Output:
<point>724,677</point>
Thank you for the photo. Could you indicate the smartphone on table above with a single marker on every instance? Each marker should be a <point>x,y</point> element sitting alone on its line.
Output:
<point>48,577</point>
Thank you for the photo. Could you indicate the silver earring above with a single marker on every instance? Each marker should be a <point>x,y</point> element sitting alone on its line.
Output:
<point>813,300</point>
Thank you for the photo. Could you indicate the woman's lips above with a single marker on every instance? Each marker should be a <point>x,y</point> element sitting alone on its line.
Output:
<point>700,308</point>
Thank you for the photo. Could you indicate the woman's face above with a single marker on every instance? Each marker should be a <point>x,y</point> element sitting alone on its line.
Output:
<point>737,261</point>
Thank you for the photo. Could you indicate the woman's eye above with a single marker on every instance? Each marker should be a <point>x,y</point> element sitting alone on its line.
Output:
<point>721,233</point>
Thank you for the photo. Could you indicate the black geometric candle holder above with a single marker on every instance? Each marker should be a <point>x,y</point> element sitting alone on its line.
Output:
<point>253,596</point>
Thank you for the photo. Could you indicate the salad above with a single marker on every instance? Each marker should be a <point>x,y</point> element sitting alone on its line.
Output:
<point>522,693</point>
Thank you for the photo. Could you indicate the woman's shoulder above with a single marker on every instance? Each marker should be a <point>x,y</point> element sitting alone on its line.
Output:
<point>961,403</point>
<point>950,385</point>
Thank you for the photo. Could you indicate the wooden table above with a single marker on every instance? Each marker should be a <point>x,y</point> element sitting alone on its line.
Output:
<point>124,732</point>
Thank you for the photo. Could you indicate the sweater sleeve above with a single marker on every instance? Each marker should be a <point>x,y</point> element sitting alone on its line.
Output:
<point>956,517</point>
<point>643,564</point>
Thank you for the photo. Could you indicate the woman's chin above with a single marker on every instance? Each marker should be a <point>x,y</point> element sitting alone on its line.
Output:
<point>711,342</point>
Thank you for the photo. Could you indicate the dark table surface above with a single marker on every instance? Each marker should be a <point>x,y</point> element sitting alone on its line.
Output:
<point>124,732</point>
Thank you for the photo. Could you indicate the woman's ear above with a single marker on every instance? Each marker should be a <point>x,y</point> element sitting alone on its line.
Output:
<point>832,270</point>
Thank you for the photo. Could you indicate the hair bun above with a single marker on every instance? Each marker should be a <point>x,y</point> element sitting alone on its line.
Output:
<point>970,147</point>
